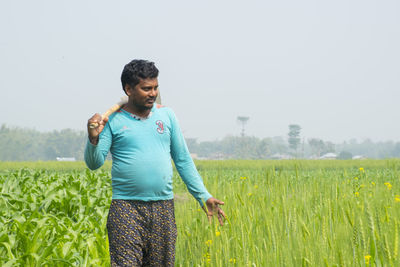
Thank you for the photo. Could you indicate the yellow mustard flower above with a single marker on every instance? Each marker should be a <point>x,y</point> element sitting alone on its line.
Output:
<point>249,194</point>
<point>355,178</point>
<point>362,169</point>
<point>367,258</point>
<point>373,183</point>
<point>397,198</point>
<point>388,185</point>
<point>209,242</point>
<point>207,257</point>
<point>232,260</point>
<point>217,233</point>
<point>243,178</point>
<point>357,194</point>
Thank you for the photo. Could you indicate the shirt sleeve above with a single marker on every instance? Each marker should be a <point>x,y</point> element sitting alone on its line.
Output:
<point>95,155</point>
<point>185,165</point>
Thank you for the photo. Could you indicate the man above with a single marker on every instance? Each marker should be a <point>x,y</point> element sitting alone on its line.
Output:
<point>142,137</point>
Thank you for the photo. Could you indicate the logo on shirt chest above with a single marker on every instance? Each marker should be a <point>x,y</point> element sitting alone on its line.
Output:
<point>160,128</point>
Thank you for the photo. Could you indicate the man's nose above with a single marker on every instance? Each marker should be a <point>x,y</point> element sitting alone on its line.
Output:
<point>153,92</point>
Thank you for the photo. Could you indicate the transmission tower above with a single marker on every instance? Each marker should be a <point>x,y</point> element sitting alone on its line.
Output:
<point>242,120</point>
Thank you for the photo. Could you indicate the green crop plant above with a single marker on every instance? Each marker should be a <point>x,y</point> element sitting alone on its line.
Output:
<point>280,213</point>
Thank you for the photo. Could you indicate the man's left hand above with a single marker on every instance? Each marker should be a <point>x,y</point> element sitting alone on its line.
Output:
<point>214,209</point>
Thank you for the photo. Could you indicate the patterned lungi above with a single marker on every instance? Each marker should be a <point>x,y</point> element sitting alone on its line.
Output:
<point>141,233</point>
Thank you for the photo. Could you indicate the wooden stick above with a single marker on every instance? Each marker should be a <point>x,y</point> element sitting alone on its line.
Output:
<point>158,99</point>
<point>110,111</point>
<point>118,106</point>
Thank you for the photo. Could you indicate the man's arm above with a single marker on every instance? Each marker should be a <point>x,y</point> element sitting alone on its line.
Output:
<point>189,174</point>
<point>185,165</point>
<point>99,142</point>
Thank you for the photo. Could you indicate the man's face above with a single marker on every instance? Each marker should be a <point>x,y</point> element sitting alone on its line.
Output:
<point>144,94</point>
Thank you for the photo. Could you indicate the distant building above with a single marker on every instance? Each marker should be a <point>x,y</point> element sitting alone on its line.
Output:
<point>65,159</point>
<point>328,156</point>
<point>359,157</point>
<point>217,155</point>
<point>281,156</point>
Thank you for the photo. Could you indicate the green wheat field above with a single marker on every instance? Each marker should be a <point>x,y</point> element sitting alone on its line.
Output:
<point>280,213</point>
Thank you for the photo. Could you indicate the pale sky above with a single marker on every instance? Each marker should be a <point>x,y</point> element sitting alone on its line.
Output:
<point>332,67</point>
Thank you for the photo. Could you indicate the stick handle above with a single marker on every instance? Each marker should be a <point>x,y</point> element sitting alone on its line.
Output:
<point>93,125</point>
<point>110,111</point>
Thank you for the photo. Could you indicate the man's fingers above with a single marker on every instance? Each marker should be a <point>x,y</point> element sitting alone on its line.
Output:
<point>212,208</point>
<point>222,213</point>
<point>219,213</point>
<point>97,123</point>
<point>221,221</point>
<point>95,117</point>
<point>94,121</point>
<point>221,216</point>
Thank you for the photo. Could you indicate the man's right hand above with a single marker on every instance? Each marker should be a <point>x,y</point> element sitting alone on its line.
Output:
<point>94,133</point>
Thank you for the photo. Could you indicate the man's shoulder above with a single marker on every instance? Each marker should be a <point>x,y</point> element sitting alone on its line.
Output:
<point>163,110</point>
<point>116,118</point>
<point>117,113</point>
<point>159,106</point>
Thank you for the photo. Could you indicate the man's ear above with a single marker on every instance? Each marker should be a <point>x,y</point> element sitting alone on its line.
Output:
<point>128,89</point>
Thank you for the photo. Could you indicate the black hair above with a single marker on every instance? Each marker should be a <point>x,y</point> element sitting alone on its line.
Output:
<point>137,70</point>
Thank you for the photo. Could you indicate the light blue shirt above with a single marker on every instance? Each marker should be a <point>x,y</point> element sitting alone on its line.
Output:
<point>141,156</point>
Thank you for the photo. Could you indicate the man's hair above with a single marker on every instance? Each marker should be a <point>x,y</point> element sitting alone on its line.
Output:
<point>137,70</point>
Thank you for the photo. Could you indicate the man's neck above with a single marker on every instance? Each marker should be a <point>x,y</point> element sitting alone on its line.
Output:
<point>141,112</point>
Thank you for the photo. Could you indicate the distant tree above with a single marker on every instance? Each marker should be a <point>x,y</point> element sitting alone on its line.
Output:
<point>263,149</point>
<point>317,145</point>
<point>17,144</point>
<point>328,147</point>
<point>229,146</point>
<point>242,121</point>
<point>345,155</point>
<point>207,149</point>
<point>276,145</point>
<point>192,144</point>
<point>244,147</point>
<point>251,148</point>
<point>396,150</point>
<point>294,136</point>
